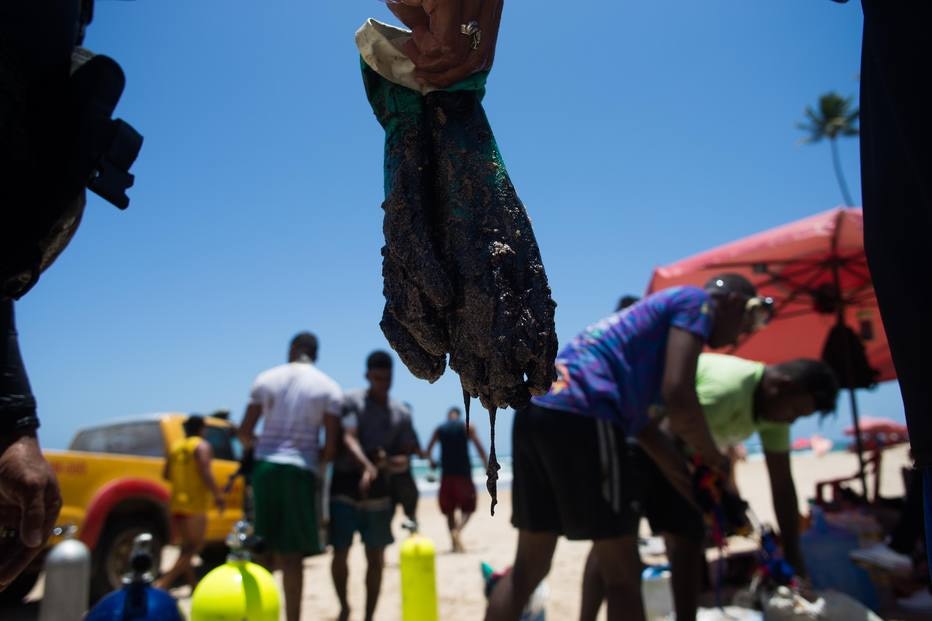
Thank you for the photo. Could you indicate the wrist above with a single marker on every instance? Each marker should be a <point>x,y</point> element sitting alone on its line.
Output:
<point>8,439</point>
<point>18,423</point>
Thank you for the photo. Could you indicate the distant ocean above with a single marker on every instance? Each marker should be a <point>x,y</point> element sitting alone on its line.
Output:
<point>428,481</point>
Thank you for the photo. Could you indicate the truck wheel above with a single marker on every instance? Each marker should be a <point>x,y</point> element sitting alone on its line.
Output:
<point>14,594</point>
<point>111,557</point>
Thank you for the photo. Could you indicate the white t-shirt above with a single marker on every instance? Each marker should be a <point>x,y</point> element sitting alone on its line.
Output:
<point>294,398</point>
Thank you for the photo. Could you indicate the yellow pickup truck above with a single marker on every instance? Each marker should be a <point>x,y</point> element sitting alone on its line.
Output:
<point>112,490</point>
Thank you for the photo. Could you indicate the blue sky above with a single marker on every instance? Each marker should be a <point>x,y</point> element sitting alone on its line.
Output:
<point>637,133</point>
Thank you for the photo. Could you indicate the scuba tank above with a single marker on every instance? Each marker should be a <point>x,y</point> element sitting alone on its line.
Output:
<point>137,600</point>
<point>239,589</point>
<point>67,578</point>
<point>418,578</point>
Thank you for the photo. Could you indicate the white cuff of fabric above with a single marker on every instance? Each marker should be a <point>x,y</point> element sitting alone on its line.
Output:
<point>381,47</point>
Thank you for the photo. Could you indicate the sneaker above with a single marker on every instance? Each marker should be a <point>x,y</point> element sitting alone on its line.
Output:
<point>883,556</point>
<point>920,601</point>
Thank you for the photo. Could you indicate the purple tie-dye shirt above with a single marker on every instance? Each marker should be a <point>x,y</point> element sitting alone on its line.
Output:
<point>614,369</point>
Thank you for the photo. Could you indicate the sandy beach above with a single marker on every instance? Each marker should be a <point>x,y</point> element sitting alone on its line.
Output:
<point>492,539</point>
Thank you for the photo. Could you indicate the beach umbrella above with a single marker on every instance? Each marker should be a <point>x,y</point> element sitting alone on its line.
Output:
<point>824,303</point>
<point>878,431</point>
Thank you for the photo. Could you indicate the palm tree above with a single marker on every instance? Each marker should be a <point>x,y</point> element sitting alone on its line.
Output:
<point>835,117</point>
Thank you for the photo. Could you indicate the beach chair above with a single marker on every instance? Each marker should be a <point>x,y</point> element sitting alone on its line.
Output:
<point>877,436</point>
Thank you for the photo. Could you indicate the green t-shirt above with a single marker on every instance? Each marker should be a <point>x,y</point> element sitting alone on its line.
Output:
<point>726,385</point>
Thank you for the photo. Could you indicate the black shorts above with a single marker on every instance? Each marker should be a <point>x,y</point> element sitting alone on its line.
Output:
<point>404,492</point>
<point>665,508</point>
<point>572,476</point>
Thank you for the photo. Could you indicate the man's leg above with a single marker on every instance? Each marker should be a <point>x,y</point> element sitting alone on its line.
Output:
<point>464,517</point>
<point>375,559</point>
<point>683,529</point>
<point>292,566</point>
<point>686,560</point>
<point>593,589</point>
<point>532,564</point>
<point>192,529</point>
<point>339,571</point>
<point>451,525</point>
<point>446,499</point>
<point>344,518</point>
<point>376,534</point>
<point>620,566</point>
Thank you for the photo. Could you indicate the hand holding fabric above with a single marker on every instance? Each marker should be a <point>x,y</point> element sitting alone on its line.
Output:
<point>442,53</point>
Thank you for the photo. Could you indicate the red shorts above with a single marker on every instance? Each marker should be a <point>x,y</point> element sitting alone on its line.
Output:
<point>457,492</point>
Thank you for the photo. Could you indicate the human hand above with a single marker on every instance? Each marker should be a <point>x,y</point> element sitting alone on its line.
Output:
<point>369,475</point>
<point>29,503</point>
<point>442,53</point>
<point>433,464</point>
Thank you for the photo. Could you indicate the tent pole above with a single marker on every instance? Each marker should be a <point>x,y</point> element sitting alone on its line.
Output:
<point>849,381</point>
<point>857,439</point>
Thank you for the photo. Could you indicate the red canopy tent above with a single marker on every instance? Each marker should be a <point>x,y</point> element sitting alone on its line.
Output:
<point>816,272</point>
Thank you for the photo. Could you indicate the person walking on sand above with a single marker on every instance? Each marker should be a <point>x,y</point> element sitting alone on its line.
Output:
<point>296,400</point>
<point>573,474</point>
<point>377,439</point>
<point>187,468</point>
<point>457,491</point>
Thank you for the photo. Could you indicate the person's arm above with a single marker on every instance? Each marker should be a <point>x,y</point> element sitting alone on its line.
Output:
<point>786,506</point>
<point>369,471</point>
<point>247,429</point>
<point>203,455</point>
<point>672,463</point>
<point>333,432</point>
<point>429,451</point>
<point>681,404</point>
<point>478,444</point>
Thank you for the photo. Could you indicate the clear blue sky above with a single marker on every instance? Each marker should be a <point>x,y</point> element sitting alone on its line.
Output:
<point>637,133</point>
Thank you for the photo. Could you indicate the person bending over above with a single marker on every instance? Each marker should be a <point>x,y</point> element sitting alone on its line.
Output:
<point>573,473</point>
<point>738,397</point>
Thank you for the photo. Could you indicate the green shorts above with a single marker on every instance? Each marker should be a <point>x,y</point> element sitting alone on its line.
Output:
<point>285,500</point>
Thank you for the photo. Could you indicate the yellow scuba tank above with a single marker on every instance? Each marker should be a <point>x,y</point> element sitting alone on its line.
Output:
<point>418,579</point>
<point>238,589</point>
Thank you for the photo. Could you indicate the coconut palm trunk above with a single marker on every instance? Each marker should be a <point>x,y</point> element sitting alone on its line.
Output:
<point>845,193</point>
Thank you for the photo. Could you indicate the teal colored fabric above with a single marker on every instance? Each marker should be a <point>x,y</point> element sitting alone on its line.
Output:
<point>397,107</point>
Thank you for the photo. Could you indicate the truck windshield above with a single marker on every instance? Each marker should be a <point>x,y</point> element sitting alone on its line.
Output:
<point>142,439</point>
